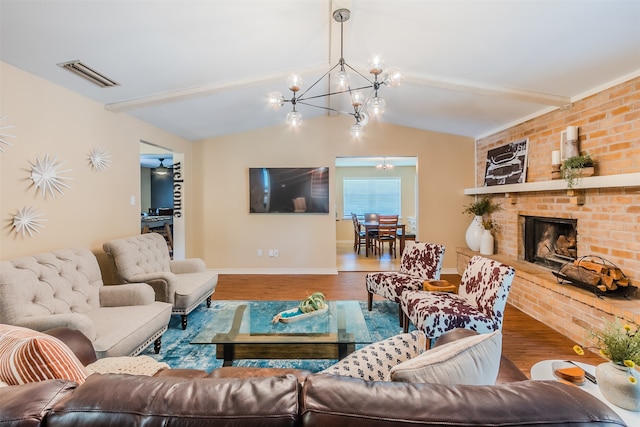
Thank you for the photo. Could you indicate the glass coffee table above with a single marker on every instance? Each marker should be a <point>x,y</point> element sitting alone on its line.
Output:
<point>244,330</point>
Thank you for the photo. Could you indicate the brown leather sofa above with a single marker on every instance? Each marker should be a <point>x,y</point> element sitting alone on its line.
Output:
<point>234,396</point>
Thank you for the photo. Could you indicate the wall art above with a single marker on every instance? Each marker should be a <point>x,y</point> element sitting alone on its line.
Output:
<point>100,159</point>
<point>507,164</point>
<point>28,221</point>
<point>47,175</point>
<point>4,136</point>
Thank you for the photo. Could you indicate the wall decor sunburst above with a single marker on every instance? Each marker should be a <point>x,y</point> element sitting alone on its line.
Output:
<point>100,159</point>
<point>46,175</point>
<point>3,135</point>
<point>28,221</point>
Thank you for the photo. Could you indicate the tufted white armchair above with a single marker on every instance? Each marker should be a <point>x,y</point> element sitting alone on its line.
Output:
<point>479,304</point>
<point>420,261</point>
<point>64,288</point>
<point>145,258</point>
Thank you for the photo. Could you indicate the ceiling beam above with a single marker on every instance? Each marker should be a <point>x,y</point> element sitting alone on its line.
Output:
<point>206,90</point>
<point>495,91</point>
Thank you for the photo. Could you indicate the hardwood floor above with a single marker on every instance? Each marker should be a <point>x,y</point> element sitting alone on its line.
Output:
<point>525,340</point>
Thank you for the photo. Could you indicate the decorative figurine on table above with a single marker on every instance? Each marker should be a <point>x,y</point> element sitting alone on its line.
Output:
<point>314,305</point>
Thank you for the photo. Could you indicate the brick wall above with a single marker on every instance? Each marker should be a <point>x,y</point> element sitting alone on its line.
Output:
<point>609,220</point>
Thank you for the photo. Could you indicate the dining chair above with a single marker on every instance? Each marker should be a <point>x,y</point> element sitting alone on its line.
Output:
<point>299,204</point>
<point>478,305</point>
<point>359,236</point>
<point>387,233</point>
<point>370,217</point>
<point>420,261</point>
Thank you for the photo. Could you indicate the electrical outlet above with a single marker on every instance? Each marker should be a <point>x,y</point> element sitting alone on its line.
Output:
<point>259,252</point>
<point>270,252</point>
<point>276,252</point>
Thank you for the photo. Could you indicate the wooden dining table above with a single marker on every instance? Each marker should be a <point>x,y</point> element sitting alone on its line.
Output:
<point>373,225</point>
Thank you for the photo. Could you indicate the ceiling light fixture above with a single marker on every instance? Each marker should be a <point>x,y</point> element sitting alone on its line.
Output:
<point>384,165</point>
<point>343,84</point>
<point>161,169</point>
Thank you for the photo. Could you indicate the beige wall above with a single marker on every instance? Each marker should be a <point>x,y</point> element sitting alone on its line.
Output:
<point>51,120</point>
<point>407,174</point>
<point>228,237</point>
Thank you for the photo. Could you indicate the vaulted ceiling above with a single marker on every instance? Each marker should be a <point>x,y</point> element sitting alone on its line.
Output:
<point>201,69</point>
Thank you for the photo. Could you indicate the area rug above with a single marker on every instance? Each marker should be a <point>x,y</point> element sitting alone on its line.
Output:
<point>177,351</point>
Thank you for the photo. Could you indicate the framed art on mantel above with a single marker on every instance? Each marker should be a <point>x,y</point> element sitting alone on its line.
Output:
<point>507,164</point>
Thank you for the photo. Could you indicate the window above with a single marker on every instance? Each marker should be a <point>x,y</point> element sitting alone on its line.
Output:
<point>378,195</point>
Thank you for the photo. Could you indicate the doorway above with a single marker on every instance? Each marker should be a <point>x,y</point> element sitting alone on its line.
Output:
<point>158,169</point>
<point>397,172</point>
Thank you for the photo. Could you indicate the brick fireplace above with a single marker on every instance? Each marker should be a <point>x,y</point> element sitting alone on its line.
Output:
<point>606,220</point>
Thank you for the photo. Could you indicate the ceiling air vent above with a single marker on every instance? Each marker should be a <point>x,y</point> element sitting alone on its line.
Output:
<point>88,73</point>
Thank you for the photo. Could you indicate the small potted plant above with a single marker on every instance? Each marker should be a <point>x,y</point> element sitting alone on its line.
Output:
<point>487,240</point>
<point>481,210</point>
<point>575,168</point>
<point>618,378</point>
<point>482,207</point>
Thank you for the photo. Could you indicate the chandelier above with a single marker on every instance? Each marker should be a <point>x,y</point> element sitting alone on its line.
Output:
<point>384,165</point>
<point>347,80</point>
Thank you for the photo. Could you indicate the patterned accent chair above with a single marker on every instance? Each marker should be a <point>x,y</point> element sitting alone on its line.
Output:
<point>420,261</point>
<point>478,305</point>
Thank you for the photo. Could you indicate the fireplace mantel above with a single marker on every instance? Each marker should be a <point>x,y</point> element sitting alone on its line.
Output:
<point>607,181</point>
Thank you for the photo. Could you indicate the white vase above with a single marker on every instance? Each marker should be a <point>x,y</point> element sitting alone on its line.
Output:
<point>614,384</point>
<point>474,233</point>
<point>486,243</point>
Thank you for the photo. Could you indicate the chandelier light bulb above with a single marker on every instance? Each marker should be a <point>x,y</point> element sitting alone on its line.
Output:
<point>294,119</point>
<point>364,119</point>
<point>357,98</point>
<point>342,79</point>
<point>276,100</point>
<point>376,106</point>
<point>356,130</point>
<point>393,77</point>
<point>376,65</point>
<point>295,82</point>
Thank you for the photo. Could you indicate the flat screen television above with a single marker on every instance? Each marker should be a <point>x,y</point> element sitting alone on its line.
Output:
<point>289,190</point>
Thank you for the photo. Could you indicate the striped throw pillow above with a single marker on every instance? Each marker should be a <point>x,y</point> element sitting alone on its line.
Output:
<point>28,356</point>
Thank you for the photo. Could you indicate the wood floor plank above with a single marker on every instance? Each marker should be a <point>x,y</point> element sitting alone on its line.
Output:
<point>525,340</point>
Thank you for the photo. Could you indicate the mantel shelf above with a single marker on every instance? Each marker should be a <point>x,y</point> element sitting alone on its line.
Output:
<point>608,181</point>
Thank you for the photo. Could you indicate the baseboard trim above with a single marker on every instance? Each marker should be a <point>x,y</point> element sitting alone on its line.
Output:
<point>325,271</point>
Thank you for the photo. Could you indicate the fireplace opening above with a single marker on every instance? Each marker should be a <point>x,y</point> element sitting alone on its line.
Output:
<point>550,242</point>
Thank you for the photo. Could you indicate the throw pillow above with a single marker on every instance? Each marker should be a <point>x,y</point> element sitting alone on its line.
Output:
<point>374,361</point>
<point>473,360</point>
<point>30,356</point>
<point>132,365</point>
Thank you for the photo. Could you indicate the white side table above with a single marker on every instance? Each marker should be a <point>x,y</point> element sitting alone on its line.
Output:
<point>543,371</point>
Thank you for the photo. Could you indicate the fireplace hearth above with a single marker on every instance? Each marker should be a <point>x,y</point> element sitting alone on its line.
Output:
<point>550,242</point>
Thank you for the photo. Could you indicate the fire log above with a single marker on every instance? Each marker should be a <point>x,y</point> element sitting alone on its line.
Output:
<point>593,266</point>
<point>580,274</point>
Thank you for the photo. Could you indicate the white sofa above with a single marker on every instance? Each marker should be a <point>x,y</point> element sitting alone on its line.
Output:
<point>64,288</point>
<point>145,258</point>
